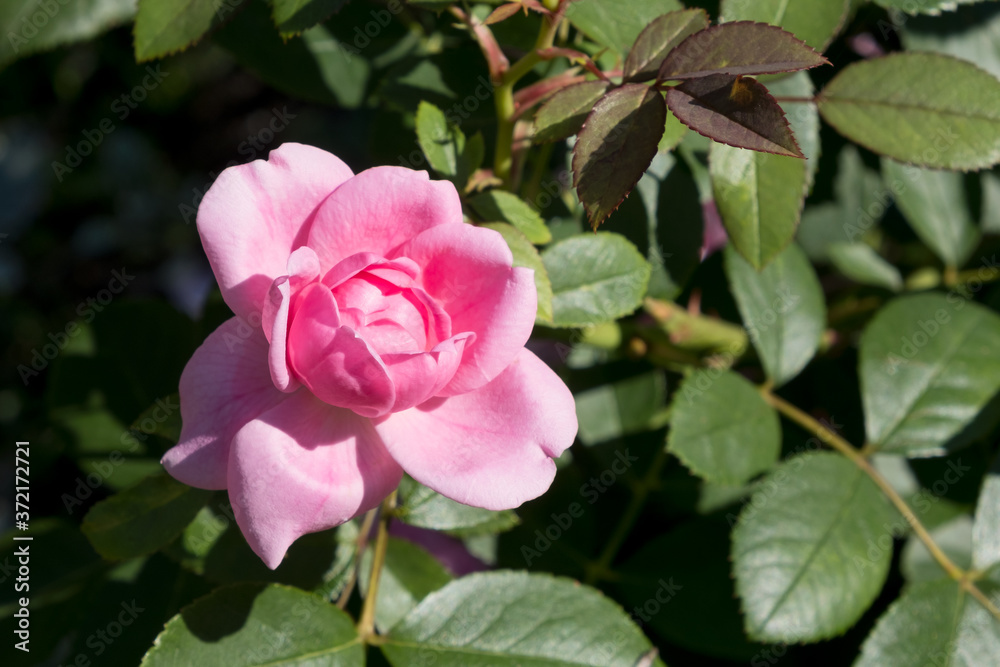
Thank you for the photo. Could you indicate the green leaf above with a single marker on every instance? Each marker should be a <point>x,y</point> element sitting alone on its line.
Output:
<point>620,408</point>
<point>606,23</point>
<point>782,308</point>
<point>144,518</point>
<point>64,23</point>
<point>986,529</point>
<point>955,540</point>
<point>722,429</point>
<point>928,365</point>
<point>923,6</point>
<point>409,575</point>
<point>737,48</point>
<point>757,200</point>
<point>531,620</point>
<point>801,557</point>
<point>935,623</point>
<point>860,263</point>
<point>658,39</point>
<point>563,114</point>
<point>424,508</point>
<point>293,16</point>
<point>163,27</point>
<point>970,33</point>
<point>595,278</point>
<point>526,255</point>
<point>502,206</point>
<point>442,142</point>
<point>258,624</point>
<point>815,23</point>
<point>163,418</point>
<point>616,144</point>
<point>920,108</point>
<point>935,205</point>
<point>734,111</point>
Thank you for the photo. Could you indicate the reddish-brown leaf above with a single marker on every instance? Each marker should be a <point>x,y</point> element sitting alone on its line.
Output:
<point>615,146</point>
<point>733,110</point>
<point>740,47</point>
<point>658,39</point>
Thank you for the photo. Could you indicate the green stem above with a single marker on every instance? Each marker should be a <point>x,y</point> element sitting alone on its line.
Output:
<point>503,98</point>
<point>649,482</point>
<point>836,442</point>
<point>366,624</point>
<point>360,544</point>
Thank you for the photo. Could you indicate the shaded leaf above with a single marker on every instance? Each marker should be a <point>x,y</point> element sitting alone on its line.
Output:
<point>502,206</point>
<point>783,310</point>
<point>860,263</point>
<point>928,365</point>
<point>620,408</point>
<point>563,114</point>
<point>934,623</point>
<point>424,508</point>
<point>935,205</point>
<point>526,255</point>
<point>801,559</point>
<point>921,108</point>
<point>532,620</point>
<point>73,22</point>
<point>258,624</point>
<point>815,23</point>
<point>595,278</point>
<point>144,518</point>
<point>616,144</point>
<point>740,47</point>
<point>722,429</point>
<point>736,111</point>
<point>606,23</point>
<point>163,27</point>
<point>970,33</point>
<point>986,529</point>
<point>923,6</point>
<point>658,39</point>
<point>293,16</point>
<point>443,143</point>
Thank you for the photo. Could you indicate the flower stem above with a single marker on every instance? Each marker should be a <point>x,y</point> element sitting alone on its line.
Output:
<point>843,447</point>
<point>503,98</point>
<point>360,544</point>
<point>366,624</point>
<point>601,568</point>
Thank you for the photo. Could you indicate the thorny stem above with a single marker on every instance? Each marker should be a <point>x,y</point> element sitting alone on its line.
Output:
<point>504,98</point>
<point>649,482</point>
<point>964,579</point>
<point>366,624</point>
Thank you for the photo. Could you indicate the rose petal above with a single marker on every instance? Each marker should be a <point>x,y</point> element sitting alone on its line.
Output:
<point>379,209</point>
<point>421,375</point>
<point>303,467</point>
<point>303,268</point>
<point>332,360</point>
<point>489,448</point>
<point>225,384</point>
<point>255,214</point>
<point>467,270</point>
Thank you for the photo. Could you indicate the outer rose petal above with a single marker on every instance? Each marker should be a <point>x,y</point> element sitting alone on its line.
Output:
<point>468,271</point>
<point>379,209</point>
<point>224,385</point>
<point>255,214</point>
<point>302,467</point>
<point>489,448</point>
<point>303,268</point>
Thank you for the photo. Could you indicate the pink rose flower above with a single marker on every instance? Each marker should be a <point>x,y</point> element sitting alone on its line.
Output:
<point>375,333</point>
